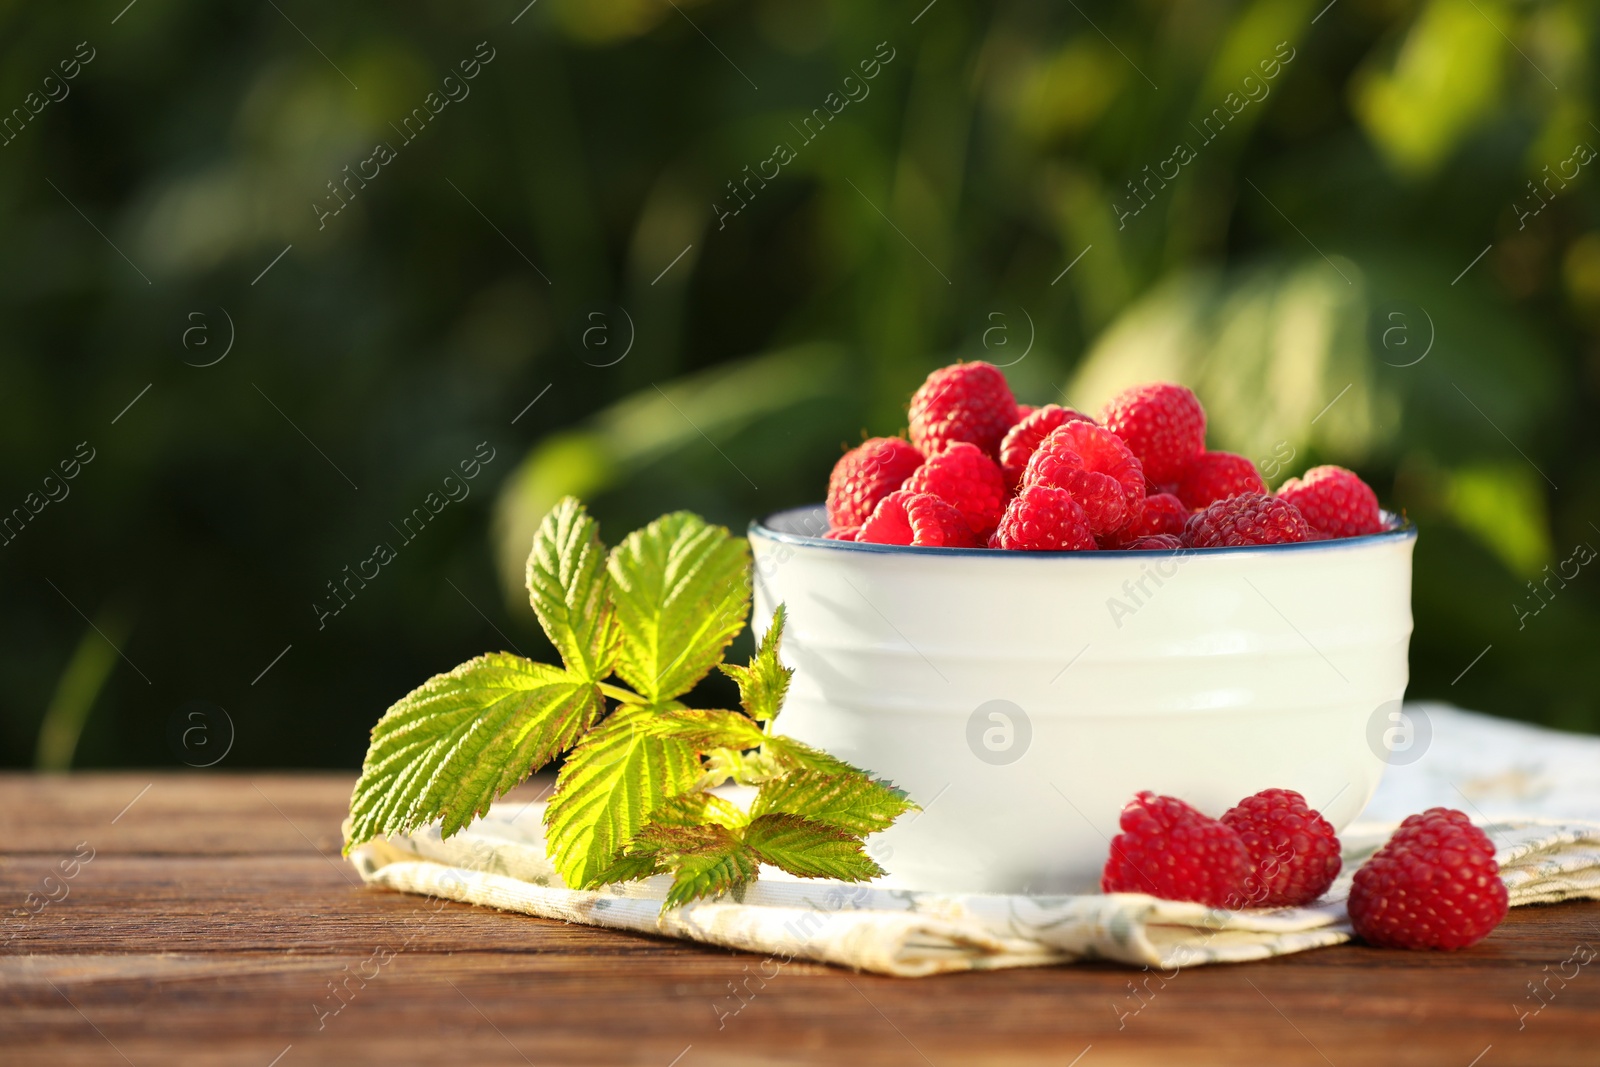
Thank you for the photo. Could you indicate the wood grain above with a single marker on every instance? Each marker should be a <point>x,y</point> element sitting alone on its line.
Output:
<point>216,922</point>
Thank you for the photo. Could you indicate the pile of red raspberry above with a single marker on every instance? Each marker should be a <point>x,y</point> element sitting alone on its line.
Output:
<point>981,470</point>
<point>1434,885</point>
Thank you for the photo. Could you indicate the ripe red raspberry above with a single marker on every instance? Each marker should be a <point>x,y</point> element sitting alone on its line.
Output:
<point>1169,850</point>
<point>1216,476</point>
<point>1247,519</point>
<point>1334,501</point>
<point>907,518</point>
<point>844,533</point>
<point>1163,424</point>
<point>1293,849</point>
<point>1094,466</point>
<point>1160,514</point>
<point>865,475</point>
<point>1153,542</point>
<point>1023,438</point>
<point>1023,411</point>
<point>1434,885</point>
<point>937,524</point>
<point>1043,518</point>
<point>964,402</point>
<point>964,476</point>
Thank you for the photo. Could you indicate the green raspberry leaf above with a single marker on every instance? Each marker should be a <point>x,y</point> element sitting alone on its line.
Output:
<point>809,849</point>
<point>852,802</point>
<point>708,730</point>
<point>698,809</point>
<point>567,585</point>
<point>723,765</point>
<point>763,684</point>
<point>632,799</point>
<point>705,860</point>
<point>802,757</point>
<point>629,869</point>
<point>682,590</point>
<point>608,789</point>
<point>449,748</point>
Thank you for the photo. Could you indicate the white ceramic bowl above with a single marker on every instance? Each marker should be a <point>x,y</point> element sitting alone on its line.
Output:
<point>1022,698</point>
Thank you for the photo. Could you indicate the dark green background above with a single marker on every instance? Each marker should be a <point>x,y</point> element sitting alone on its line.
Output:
<point>1308,255</point>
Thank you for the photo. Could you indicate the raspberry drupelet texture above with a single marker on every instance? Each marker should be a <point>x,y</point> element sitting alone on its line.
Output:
<point>909,518</point>
<point>1334,501</point>
<point>965,402</point>
<point>965,477</point>
<point>1158,515</point>
<point>1294,852</point>
<point>1169,850</point>
<point>1434,885</point>
<point>1214,476</point>
<point>937,524</point>
<point>1043,518</point>
<point>1163,542</point>
<point>1023,439</point>
<point>1246,519</point>
<point>1163,425</point>
<point>1092,464</point>
<point>865,475</point>
<point>1161,513</point>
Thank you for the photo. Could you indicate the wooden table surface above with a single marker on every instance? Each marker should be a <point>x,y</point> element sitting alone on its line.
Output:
<point>215,918</point>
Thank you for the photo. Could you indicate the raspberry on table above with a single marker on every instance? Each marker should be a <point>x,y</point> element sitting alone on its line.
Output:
<point>865,475</point>
<point>1294,852</point>
<point>1335,501</point>
<point>964,402</point>
<point>1169,850</point>
<point>1163,424</point>
<point>1214,476</point>
<point>1042,518</point>
<point>905,517</point>
<point>1023,438</point>
<point>963,476</point>
<point>1434,885</point>
<point>1094,465</point>
<point>1247,519</point>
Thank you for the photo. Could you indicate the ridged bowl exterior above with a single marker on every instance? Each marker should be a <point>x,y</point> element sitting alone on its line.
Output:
<point>1206,675</point>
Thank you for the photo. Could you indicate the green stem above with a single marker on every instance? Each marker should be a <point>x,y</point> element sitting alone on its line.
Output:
<point>616,692</point>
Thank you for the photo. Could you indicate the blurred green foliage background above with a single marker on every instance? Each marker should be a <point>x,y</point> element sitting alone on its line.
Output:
<point>1383,253</point>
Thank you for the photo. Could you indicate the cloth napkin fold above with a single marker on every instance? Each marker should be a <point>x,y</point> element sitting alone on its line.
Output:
<point>500,862</point>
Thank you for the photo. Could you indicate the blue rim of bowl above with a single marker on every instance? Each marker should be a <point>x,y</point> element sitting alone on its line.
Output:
<point>1400,529</point>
